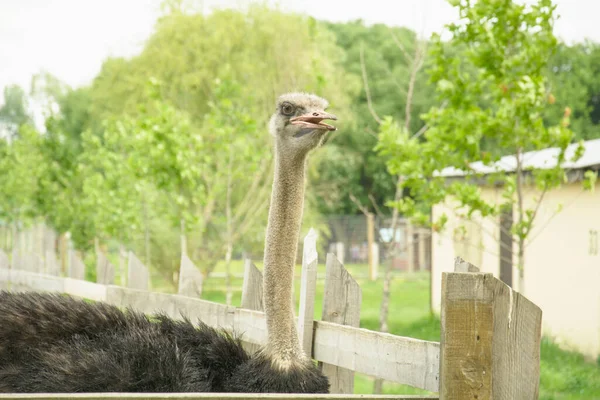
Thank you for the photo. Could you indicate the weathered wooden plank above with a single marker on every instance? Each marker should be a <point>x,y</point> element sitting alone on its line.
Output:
<point>466,337</point>
<point>28,262</point>
<point>141,300</point>
<point>252,294</point>
<point>516,345</point>
<point>490,340</point>
<point>461,265</point>
<point>27,280</point>
<point>4,262</point>
<point>206,396</point>
<point>395,358</point>
<point>105,271</point>
<point>85,289</point>
<point>4,266</point>
<point>308,285</point>
<point>76,266</point>
<point>340,251</point>
<point>190,278</point>
<point>51,264</point>
<point>138,276</point>
<point>252,288</point>
<point>341,305</point>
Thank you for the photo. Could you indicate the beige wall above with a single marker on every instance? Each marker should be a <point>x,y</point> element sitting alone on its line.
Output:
<point>561,276</point>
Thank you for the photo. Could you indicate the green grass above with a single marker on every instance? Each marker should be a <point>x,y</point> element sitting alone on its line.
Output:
<point>564,375</point>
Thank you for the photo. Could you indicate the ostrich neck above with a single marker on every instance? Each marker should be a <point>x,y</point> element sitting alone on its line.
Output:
<point>283,231</point>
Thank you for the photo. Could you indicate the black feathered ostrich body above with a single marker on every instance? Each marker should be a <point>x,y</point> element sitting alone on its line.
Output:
<point>55,343</point>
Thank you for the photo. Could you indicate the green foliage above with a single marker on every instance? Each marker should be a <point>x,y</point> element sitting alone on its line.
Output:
<point>269,51</point>
<point>123,158</point>
<point>490,80</point>
<point>13,112</point>
<point>349,165</point>
<point>21,165</point>
<point>111,194</point>
<point>574,81</point>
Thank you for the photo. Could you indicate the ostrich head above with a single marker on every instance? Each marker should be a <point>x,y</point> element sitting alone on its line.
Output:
<point>297,123</point>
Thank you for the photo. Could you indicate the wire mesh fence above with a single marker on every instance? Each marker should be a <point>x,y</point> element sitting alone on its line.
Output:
<point>409,249</point>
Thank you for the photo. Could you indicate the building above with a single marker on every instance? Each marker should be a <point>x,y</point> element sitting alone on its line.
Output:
<point>562,259</point>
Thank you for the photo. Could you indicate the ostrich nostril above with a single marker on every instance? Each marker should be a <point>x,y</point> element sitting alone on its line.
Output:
<point>315,114</point>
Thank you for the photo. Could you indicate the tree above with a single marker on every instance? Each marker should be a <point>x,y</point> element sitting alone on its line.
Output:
<point>344,167</point>
<point>495,94</point>
<point>409,85</point>
<point>574,80</point>
<point>14,112</point>
<point>21,165</point>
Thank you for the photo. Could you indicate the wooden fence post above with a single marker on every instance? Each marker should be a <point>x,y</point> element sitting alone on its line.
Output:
<point>307,292</point>
<point>341,305</point>
<point>51,263</point>
<point>490,339</point>
<point>105,271</point>
<point>4,263</point>
<point>252,294</point>
<point>410,247</point>
<point>138,276</point>
<point>122,264</point>
<point>252,288</point>
<point>340,251</point>
<point>370,244</point>
<point>76,266</point>
<point>374,269</point>
<point>190,278</point>
<point>422,236</point>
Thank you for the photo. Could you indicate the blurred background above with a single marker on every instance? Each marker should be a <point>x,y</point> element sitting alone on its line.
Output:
<point>142,126</point>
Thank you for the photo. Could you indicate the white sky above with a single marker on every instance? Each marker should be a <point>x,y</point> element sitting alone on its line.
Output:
<point>71,38</point>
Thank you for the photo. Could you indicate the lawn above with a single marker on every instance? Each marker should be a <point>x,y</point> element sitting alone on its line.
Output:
<point>564,375</point>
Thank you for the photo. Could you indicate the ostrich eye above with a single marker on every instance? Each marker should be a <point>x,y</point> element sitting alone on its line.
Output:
<point>287,109</point>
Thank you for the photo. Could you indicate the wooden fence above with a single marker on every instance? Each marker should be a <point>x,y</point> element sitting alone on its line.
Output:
<point>490,334</point>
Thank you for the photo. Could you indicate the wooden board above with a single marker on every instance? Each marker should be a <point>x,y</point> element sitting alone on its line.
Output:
<point>381,355</point>
<point>252,295</point>
<point>190,278</point>
<point>308,285</point>
<point>138,276</point>
<point>341,305</point>
<point>105,271</point>
<point>76,266</point>
<point>490,340</point>
<point>395,358</point>
<point>206,396</point>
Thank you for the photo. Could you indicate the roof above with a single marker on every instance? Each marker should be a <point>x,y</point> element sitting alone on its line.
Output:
<point>541,159</point>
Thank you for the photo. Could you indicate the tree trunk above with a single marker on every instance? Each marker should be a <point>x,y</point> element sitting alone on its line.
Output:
<point>387,280</point>
<point>521,260</point>
<point>229,294</point>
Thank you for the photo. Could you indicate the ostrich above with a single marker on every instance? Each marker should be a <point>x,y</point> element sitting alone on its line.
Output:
<point>56,343</point>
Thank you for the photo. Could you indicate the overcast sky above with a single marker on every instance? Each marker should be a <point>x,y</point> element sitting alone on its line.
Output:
<point>71,38</point>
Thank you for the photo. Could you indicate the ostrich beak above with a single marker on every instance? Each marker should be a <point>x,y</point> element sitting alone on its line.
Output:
<point>314,120</point>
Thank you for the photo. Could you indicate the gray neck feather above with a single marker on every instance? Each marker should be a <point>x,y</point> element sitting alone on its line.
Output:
<point>283,231</point>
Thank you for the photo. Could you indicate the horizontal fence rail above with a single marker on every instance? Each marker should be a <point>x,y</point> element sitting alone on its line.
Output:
<point>490,334</point>
<point>395,358</point>
<point>207,396</point>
